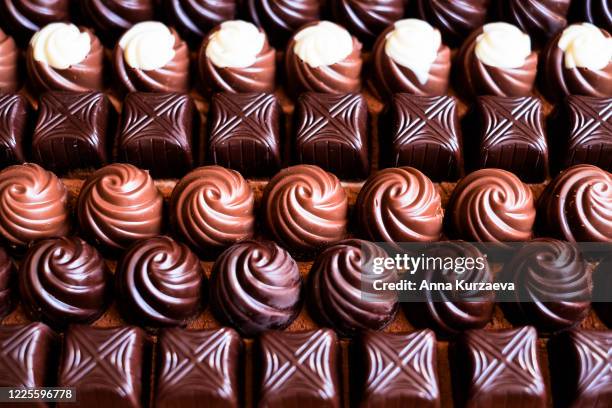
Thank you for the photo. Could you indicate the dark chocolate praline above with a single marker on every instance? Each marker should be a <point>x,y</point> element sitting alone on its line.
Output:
<point>7,280</point>
<point>22,18</point>
<point>366,19</point>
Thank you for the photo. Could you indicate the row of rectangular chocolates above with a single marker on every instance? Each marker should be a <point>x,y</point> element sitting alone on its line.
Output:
<point>112,367</point>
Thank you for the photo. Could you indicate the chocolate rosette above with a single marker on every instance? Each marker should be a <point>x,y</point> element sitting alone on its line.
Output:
<point>9,61</point>
<point>400,205</point>
<point>119,204</point>
<point>7,277</point>
<point>159,283</point>
<point>64,281</point>
<point>367,19</point>
<point>110,18</point>
<point>86,75</point>
<point>541,19</point>
<point>491,205</point>
<point>341,292</point>
<point>33,204</point>
<point>195,18</point>
<point>305,208</point>
<point>212,208</point>
<point>552,285</point>
<point>577,205</point>
<point>281,18</point>
<point>22,18</point>
<point>255,286</point>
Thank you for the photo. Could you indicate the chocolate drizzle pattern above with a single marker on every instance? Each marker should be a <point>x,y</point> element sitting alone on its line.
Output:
<point>366,19</point>
<point>195,18</point>
<point>22,18</point>
<point>110,18</point>
<point>9,60</point>
<point>491,205</point>
<point>281,18</point>
<point>341,291</point>
<point>577,205</point>
<point>7,277</point>
<point>305,207</point>
<point>119,204</point>
<point>33,204</point>
<point>256,286</point>
<point>400,205</point>
<point>159,283</point>
<point>541,19</point>
<point>64,281</point>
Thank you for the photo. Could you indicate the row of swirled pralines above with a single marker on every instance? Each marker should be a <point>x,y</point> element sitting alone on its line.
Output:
<point>409,56</point>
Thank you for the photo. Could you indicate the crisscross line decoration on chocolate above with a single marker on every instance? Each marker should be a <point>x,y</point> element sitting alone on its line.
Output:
<point>595,373</point>
<point>434,111</point>
<point>16,348</point>
<point>596,126</point>
<point>522,114</point>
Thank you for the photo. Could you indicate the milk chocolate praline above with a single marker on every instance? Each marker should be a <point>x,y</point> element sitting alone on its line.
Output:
<point>9,64</point>
<point>110,18</point>
<point>22,18</point>
<point>281,18</point>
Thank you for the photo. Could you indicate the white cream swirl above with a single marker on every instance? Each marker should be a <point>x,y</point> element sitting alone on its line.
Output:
<point>414,44</point>
<point>323,44</point>
<point>60,45</point>
<point>585,46</point>
<point>502,45</point>
<point>236,44</point>
<point>148,45</point>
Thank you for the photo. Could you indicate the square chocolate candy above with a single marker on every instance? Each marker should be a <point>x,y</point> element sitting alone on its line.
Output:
<point>244,133</point>
<point>198,365</point>
<point>423,132</point>
<point>13,125</point>
<point>298,369</point>
<point>157,133</point>
<point>104,365</point>
<point>332,133</point>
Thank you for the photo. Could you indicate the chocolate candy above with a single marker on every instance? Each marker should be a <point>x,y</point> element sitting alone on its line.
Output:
<point>298,369</point>
<point>157,133</point>
<point>14,111</point>
<point>244,133</point>
<point>500,368</point>
<point>194,18</point>
<point>577,62</point>
<point>281,18</point>
<point>9,64</point>
<point>34,205</point>
<point>22,18</point>
<point>602,287</point>
<point>26,355</point>
<point>64,57</point>
<point>308,68</point>
<point>577,205</point>
<point>398,369</point>
<point>496,60</point>
<point>552,285</point>
<point>596,12</point>
<point>236,57</point>
<point>305,208</point>
<point>511,136</point>
<point>198,365</point>
<point>332,133</point>
<point>119,204</point>
<point>150,57</point>
<point>455,19</point>
<point>451,312</point>
<point>366,20</point>
<point>341,292</point>
<point>212,208</point>
<point>159,283</point>
<point>71,130</point>
<point>423,133</point>
<point>255,286</point>
<point>541,19</point>
<point>7,278</point>
<point>491,205</point>
<point>105,365</point>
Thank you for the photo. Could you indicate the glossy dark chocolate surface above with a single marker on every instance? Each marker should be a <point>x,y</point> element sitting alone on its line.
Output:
<point>597,12</point>
<point>14,110</point>
<point>281,18</point>
<point>367,19</point>
<point>110,18</point>
<point>9,64</point>
<point>602,287</point>
<point>541,19</point>
<point>7,283</point>
<point>22,18</point>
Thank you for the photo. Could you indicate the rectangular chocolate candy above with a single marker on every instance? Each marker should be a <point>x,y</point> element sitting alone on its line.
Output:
<point>13,124</point>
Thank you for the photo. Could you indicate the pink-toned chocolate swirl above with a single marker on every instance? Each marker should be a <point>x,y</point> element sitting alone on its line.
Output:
<point>9,64</point>
<point>33,205</point>
<point>7,278</point>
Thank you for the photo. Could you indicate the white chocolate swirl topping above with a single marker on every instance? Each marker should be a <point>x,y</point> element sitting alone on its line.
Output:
<point>148,45</point>
<point>60,45</point>
<point>502,45</point>
<point>585,46</point>
<point>323,44</point>
<point>236,44</point>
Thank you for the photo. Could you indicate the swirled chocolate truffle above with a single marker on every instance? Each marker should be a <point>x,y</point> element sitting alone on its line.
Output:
<point>255,286</point>
<point>9,64</point>
<point>552,285</point>
<point>449,312</point>
<point>577,205</point>
<point>159,282</point>
<point>341,291</point>
<point>119,204</point>
<point>496,60</point>
<point>541,19</point>
<point>110,18</point>
<point>577,61</point>
<point>236,57</point>
<point>400,204</point>
<point>409,57</point>
<point>22,18</point>
<point>456,19</point>
<point>64,281</point>
<point>305,208</point>
<point>150,57</point>
<point>323,57</point>
<point>64,57</point>
<point>491,205</point>
<point>33,204</point>
<point>281,18</point>
<point>7,277</point>
<point>367,19</point>
<point>212,208</point>
<point>193,19</point>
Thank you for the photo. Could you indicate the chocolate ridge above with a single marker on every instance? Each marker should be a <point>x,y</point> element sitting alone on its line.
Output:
<point>193,19</point>
<point>9,62</point>
<point>281,18</point>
